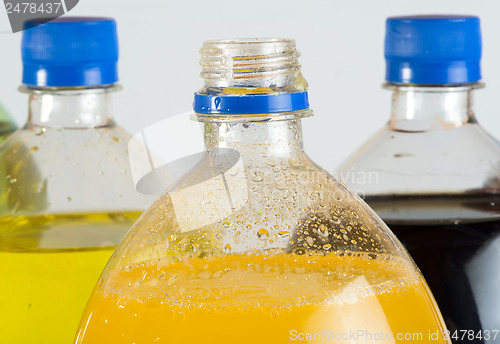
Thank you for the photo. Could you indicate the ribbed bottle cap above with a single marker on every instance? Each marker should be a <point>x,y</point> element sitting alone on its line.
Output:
<point>433,49</point>
<point>70,52</point>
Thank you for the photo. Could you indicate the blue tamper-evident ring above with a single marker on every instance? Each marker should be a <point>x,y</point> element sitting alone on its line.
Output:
<point>250,104</point>
<point>433,49</point>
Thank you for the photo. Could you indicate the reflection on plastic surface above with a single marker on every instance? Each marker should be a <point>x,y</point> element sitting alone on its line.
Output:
<point>163,152</point>
<point>484,278</point>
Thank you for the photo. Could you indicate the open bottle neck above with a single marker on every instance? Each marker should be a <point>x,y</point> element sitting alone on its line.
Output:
<point>254,96</point>
<point>424,108</point>
<point>257,140</point>
<point>70,108</point>
<point>251,67</point>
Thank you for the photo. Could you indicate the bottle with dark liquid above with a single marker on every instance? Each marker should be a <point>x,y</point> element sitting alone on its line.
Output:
<point>432,173</point>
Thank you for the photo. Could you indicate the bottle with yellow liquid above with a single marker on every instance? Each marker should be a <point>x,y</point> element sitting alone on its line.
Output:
<point>258,244</point>
<point>67,197</point>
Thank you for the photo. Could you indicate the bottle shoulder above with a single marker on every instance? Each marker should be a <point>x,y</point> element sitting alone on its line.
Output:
<point>291,207</point>
<point>438,161</point>
<point>62,171</point>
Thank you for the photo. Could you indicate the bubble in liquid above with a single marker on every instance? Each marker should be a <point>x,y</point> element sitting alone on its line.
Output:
<point>275,314</point>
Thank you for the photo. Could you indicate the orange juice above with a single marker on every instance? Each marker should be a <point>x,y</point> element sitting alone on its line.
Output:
<point>263,299</point>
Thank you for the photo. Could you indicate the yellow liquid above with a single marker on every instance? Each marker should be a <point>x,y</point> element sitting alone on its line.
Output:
<point>43,291</point>
<point>262,299</point>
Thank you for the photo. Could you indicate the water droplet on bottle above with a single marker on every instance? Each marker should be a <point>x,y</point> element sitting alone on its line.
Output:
<point>41,131</point>
<point>227,247</point>
<point>68,198</point>
<point>327,246</point>
<point>263,233</point>
<point>258,176</point>
<point>323,230</point>
<point>170,240</point>
<point>270,162</point>
<point>226,224</point>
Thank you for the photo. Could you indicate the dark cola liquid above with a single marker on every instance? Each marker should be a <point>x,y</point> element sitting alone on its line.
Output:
<point>455,241</point>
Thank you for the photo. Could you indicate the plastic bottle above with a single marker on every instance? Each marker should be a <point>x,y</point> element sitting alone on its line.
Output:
<point>67,197</point>
<point>257,243</point>
<point>432,172</point>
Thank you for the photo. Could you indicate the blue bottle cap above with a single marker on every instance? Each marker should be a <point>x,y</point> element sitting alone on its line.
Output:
<point>70,52</point>
<point>433,49</point>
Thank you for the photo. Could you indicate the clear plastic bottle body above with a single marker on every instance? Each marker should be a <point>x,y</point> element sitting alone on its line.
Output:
<point>7,125</point>
<point>257,243</point>
<point>67,199</point>
<point>432,175</point>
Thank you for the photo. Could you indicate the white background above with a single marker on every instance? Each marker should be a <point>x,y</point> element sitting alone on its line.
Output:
<point>342,58</point>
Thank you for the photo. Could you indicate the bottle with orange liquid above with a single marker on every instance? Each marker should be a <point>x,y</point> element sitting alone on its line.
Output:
<point>66,192</point>
<point>258,244</point>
